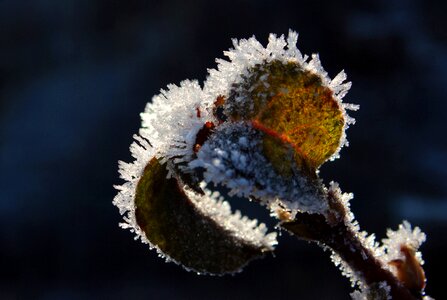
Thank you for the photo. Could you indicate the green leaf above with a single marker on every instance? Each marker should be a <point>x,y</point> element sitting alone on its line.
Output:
<point>183,233</point>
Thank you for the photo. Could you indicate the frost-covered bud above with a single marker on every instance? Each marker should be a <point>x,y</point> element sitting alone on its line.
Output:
<point>262,125</point>
<point>402,257</point>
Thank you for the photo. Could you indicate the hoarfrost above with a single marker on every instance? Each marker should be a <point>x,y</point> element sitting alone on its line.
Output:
<point>346,270</point>
<point>213,205</point>
<point>367,240</point>
<point>171,121</point>
<point>390,250</point>
<point>169,126</point>
<point>233,157</point>
<point>142,151</point>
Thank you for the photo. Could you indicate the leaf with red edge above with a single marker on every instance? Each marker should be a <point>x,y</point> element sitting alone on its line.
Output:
<point>295,111</point>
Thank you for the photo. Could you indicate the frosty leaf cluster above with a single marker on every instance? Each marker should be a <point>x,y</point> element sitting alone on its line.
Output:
<point>259,128</point>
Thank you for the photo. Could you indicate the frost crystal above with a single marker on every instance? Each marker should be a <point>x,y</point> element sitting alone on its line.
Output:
<point>171,121</point>
<point>233,157</point>
<point>142,151</point>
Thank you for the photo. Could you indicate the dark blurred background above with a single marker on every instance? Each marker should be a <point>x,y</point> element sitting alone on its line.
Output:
<point>74,76</point>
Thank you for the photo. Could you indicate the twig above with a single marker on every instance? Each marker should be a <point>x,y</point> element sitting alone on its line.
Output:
<point>345,242</point>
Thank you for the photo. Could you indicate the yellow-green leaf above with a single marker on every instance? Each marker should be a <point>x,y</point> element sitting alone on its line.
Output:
<point>294,110</point>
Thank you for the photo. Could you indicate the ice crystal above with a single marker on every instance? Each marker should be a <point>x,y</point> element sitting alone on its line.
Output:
<point>378,291</point>
<point>355,278</point>
<point>143,152</point>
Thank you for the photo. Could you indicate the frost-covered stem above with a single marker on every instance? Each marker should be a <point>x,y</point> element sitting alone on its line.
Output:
<point>341,239</point>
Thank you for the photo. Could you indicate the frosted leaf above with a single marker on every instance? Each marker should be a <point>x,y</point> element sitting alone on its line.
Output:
<point>233,157</point>
<point>197,231</point>
<point>293,109</point>
<point>247,55</point>
<point>242,238</point>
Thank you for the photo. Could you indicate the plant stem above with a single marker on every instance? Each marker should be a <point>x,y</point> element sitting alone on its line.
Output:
<point>341,239</point>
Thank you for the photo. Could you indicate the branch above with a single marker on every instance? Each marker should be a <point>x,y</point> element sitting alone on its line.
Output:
<point>345,242</point>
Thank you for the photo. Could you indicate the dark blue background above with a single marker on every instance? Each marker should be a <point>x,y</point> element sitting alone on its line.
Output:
<point>74,76</point>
